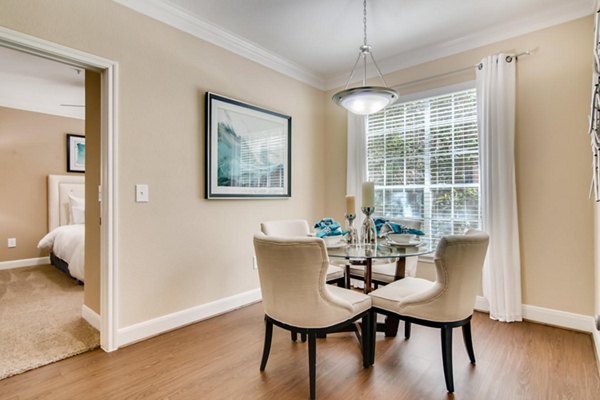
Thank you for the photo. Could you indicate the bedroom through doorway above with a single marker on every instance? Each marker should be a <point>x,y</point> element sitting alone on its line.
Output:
<point>50,161</point>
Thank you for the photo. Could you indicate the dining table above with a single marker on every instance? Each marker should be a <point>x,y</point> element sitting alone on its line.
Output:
<point>382,249</point>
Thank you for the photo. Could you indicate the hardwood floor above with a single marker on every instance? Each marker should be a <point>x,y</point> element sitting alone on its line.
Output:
<point>219,359</point>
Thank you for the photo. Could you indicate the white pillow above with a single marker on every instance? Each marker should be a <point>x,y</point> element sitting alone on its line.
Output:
<point>77,210</point>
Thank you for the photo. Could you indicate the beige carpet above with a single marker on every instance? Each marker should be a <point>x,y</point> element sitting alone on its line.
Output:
<point>40,319</point>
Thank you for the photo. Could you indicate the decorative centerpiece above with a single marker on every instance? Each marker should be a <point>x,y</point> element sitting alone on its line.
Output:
<point>369,232</point>
<point>351,234</point>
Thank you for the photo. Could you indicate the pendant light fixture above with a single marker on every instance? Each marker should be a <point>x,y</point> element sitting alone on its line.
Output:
<point>364,100</point>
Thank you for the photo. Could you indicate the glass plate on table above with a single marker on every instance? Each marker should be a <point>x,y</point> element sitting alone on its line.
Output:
<point>336,245</point>
<point>411,243</point>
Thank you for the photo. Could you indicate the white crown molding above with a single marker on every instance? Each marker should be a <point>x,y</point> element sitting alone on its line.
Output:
<point>176,17</point>
<point>544,19</point>
<point>27,262</point>
<point>172,15</point>
<point>144,330</point>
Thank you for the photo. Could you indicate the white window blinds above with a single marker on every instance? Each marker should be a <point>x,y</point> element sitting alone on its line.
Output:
<point>423,157</point>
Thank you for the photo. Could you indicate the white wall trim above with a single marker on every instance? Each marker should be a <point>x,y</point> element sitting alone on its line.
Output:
<point>156,326</point>
<point>178,18</point>
<point>596,340</point>
<point>517,27</point>
<point>91,316</point>
<point>26,262</point>
<point>563,319</point>
<point>108,253</point>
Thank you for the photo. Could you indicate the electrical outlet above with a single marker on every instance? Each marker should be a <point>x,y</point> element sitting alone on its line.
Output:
<point>12,242</point>
<point>254,264</point>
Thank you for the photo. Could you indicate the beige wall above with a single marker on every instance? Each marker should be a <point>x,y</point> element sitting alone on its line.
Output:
<point>32,146</point>
<point>180,250</point>
<point>92,181</point>
<point>553,158</point>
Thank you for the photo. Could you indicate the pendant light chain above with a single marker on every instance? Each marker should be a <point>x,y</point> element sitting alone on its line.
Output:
<point>364,54</point>
<point>365,22</point>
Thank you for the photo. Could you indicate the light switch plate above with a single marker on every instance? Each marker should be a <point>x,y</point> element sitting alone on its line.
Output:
<point>141,193</point>
<point>12,242</point>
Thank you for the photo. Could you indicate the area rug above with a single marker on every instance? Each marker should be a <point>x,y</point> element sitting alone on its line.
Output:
<point>40,319</point>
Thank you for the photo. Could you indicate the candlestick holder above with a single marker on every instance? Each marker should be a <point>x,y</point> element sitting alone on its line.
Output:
<point>351,235</point>
<point>369,232</point>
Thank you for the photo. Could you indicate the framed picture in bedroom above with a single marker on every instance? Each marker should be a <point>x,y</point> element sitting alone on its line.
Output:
<point>75,153</point>
<point>248,150</point>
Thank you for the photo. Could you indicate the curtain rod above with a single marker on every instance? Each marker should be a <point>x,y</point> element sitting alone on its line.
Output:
<point>456,71</point>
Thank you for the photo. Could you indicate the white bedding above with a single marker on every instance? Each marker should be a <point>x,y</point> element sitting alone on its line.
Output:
<point>67,243</point>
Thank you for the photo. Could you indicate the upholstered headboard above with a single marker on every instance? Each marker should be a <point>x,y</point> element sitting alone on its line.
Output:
<point>59,189</point>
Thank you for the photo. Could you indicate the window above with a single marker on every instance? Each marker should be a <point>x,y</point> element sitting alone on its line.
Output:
<point>424,159</point>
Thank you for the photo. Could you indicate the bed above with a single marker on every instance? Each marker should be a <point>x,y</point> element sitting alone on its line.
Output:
<point>66,237</point>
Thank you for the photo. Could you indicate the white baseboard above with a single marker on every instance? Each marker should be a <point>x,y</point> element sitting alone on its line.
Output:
<point>27,262</point>
<point>481,304</point>
<point>91,316</point>
<point>147,329</point>
<point>596,340</point>
<point>562,319</point>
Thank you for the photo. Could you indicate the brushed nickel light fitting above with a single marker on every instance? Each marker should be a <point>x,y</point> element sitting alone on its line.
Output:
<point>364,100</point>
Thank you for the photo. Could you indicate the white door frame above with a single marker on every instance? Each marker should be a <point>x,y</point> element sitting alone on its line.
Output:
<point>108,171</point>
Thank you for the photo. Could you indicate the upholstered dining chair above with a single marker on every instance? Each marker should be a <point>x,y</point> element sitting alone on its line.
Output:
<point>299,228</point>
<point>295,296</point>
<point>385,270</point>
<point>446,303</point>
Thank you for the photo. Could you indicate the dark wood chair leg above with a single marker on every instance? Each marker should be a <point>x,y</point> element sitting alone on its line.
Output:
<point>466,329</point>
<point>447,357</point>
<point>372,334</point>
<point>294,335</point>
<point>303,337</point>
<point>267,346</point>
<point>366,340</point>
<point>312,363</point>
<point>391,326</point>
<point>406,330</point>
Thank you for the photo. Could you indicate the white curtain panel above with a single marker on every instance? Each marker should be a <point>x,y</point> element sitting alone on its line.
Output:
<point>356,168</point>
<point>496,123</point>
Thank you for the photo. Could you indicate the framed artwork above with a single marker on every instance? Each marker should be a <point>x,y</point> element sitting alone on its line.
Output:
<point>75,153</point>
<point>248,150</point>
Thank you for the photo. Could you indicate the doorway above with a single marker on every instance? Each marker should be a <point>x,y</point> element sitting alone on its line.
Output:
<point>106,70</point>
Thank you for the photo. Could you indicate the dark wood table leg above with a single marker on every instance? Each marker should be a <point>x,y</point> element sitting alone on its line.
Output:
<point>368,272</point>
<point>400,268</point>
<point>347,275</point>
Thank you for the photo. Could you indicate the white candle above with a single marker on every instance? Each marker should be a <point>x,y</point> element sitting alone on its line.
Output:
<point>368,194</point>
<point>350,205</point>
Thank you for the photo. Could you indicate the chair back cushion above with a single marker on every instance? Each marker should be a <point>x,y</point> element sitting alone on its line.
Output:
<point>459,263</point>
<point>285,228</point>
<point>292,275</point>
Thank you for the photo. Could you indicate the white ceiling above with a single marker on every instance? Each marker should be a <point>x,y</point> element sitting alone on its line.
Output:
<point>36,84</point>
<point>317,40</point>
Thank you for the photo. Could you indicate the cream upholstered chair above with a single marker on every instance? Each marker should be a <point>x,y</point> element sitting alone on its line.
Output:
<point>446,303</point>
<point>300,228</point>
<point>385,270</point>
<point>295,297</point>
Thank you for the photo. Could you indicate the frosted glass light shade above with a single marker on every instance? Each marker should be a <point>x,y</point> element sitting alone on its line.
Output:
<point>365,100</point>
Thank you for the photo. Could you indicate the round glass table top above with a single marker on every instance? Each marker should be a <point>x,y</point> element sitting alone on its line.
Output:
<point>381,250</point>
